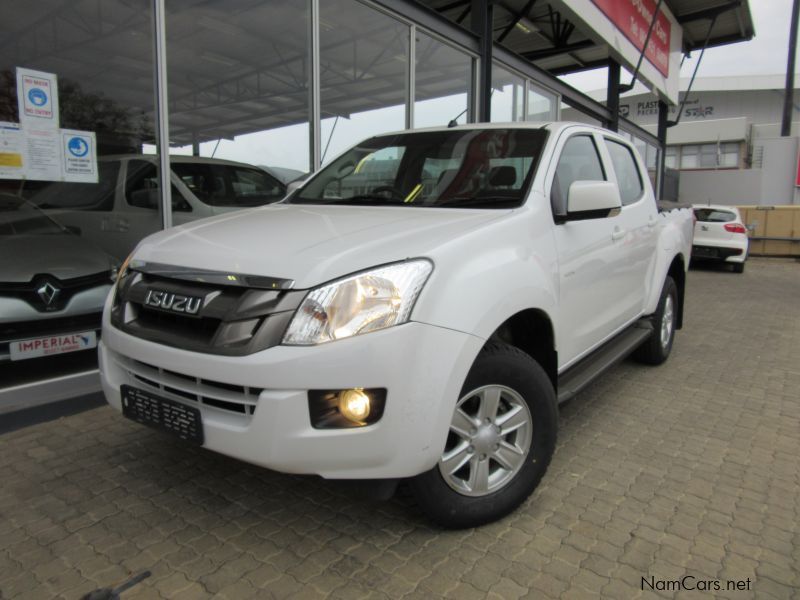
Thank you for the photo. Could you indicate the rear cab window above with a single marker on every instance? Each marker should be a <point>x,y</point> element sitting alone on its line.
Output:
<point>629,179</point>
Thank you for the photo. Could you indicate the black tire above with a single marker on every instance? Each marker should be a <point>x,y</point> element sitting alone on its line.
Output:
<point>654,351</point>
<point>507,367</point>
<point>738,267</point>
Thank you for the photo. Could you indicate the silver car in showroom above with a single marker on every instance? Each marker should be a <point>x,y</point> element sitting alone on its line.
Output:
<point>52,284</point>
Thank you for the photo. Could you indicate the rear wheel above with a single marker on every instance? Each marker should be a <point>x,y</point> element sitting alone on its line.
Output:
<point>738,267</point>
<point>656,349</point>
<point>501,438</point>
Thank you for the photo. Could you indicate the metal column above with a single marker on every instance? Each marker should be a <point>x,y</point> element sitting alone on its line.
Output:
<point>411,75</point>
<point>162,112</point>
<point>788,98</point>
<point>663,117</point>
<point>481,19</point>
<point>612,95</point>
<point>314,110</point>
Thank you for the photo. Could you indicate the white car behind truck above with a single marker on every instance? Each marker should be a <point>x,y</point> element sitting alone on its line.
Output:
<point>423,324</point>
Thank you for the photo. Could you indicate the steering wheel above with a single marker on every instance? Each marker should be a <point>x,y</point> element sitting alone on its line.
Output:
<point>394,193</point>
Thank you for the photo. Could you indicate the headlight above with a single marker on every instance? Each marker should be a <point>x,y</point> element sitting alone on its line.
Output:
<point>118,273</point>
<point>358,304</point>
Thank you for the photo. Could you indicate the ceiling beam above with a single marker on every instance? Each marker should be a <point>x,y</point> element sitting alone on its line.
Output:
<point>548,52</point>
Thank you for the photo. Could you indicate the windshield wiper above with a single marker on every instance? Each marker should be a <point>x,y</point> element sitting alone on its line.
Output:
<point>481,202</point>
<point>362,199</point>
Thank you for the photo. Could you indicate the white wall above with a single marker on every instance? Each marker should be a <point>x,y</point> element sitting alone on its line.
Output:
<point>773,184</point>
<point>721,187</point>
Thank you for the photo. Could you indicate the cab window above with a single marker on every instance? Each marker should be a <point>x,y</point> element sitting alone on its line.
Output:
<point>579,161</point>
<point>141,188</point>
<point>629,179</point>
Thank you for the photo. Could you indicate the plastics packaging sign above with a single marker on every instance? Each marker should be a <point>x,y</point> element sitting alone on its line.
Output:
<point>37,97</point>
<point>633,18</point>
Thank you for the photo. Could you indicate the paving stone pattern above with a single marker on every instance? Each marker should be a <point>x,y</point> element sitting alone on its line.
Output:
<point>689,469</point>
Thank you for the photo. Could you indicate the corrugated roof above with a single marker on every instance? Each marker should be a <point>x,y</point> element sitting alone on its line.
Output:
<point>539,32</point>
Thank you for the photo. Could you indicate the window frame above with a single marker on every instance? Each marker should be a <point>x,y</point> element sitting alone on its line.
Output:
<point>637,166</point>
<point>556,160</point>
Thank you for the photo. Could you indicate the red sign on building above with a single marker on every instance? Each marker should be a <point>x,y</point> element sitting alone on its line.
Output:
<point>633,18</point>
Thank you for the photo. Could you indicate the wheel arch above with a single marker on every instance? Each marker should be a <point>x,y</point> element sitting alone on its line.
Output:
<point>531,330</point>
<point>677,270</point>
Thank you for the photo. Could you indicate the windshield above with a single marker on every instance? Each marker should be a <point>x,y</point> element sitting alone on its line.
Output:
<point>20,217</point>
<point>477,168</point>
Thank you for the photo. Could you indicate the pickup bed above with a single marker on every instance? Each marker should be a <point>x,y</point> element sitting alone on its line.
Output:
<point>415,310</point>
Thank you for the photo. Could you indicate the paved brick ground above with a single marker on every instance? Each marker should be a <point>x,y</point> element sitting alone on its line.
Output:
<point>692,468</point>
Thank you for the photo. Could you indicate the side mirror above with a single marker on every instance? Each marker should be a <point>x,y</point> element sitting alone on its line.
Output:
<point>592,199</point>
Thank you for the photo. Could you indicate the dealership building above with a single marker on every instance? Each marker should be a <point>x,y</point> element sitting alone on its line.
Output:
<point>101,99</point>
<point>727,146</point>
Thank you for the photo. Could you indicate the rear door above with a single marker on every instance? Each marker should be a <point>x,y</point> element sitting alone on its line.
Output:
<point>635,240</point>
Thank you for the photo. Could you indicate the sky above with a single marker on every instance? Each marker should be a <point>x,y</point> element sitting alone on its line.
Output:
<point>765,54</point>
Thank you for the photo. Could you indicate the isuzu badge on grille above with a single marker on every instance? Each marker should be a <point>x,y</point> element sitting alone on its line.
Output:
<point>177,303</point>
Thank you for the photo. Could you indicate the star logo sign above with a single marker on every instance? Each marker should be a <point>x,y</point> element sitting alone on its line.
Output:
<point>48,293</point>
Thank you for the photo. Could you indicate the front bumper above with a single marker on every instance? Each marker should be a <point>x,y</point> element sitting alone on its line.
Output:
<point>422,366</point>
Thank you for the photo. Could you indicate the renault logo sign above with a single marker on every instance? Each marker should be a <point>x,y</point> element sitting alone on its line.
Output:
<point>48,293</point>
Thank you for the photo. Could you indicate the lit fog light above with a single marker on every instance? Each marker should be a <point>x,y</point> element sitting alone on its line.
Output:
<point>354,405</point>
<point>346,408</point>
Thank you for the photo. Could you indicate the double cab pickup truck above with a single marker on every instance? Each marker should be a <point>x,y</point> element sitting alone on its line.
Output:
<point>416,310</point>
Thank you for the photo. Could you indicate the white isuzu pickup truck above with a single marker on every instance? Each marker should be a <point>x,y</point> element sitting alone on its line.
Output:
<point>416,310</point>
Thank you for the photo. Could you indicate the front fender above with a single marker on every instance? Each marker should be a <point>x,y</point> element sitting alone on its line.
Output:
<point>484,278</point>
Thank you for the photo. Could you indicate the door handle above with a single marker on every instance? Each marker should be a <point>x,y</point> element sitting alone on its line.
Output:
<point>617,234</point>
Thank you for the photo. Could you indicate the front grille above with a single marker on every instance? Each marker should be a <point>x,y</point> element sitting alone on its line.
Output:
<point>21,330</point>
<point>232,320</point>
<point>227,397</point>
<point>67,288</point>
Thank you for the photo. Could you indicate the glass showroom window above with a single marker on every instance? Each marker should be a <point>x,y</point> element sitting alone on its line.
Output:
<point>363,73</point>
<point>508,96</point>
<point>76,106</point>
<point>442,83</point>
<point>239,97</point>
<point>541,105</point>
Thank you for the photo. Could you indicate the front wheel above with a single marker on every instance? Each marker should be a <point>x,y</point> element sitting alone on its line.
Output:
<point>655,350</point>
<point>500,441</point>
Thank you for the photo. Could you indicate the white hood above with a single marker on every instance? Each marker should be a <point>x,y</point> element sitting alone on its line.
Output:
<point>311,244</point>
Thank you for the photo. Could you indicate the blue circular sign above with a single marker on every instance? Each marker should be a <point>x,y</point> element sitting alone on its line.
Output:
<point>37,96</point>
<point>77,147</point>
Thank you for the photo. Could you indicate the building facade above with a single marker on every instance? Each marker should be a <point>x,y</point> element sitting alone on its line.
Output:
<point>727,145</point>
